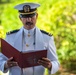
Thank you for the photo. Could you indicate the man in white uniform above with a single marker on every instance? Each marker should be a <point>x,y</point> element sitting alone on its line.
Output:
<point>29,37</point>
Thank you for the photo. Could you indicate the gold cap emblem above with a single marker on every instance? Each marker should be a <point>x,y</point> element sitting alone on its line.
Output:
<point>26,8</point>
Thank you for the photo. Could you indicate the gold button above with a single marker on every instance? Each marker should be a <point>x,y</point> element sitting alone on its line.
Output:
<point>29,35</point>
<point>27,45</point>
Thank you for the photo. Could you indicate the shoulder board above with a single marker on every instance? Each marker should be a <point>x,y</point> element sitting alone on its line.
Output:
<point>46,33</point>
<point>11,32</point>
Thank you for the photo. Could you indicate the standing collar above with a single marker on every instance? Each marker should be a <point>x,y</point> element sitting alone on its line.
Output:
<point>31,31</point>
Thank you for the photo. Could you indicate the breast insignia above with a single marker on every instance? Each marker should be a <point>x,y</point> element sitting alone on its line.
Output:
<point>46,33</point>
<point>11,32</point>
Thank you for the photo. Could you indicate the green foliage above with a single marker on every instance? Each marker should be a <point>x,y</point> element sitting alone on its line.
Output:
<point>1,32</point>
<point>55,16</point>
<point>63,17</point>
<point>1,35</point>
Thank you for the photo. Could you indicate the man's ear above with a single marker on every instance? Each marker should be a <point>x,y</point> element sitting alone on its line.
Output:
<point>36,15</point>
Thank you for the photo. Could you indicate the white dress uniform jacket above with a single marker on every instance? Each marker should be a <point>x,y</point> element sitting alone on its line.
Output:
<point>20,39</point>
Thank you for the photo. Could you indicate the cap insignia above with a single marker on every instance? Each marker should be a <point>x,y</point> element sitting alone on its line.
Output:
<point>26,8</point>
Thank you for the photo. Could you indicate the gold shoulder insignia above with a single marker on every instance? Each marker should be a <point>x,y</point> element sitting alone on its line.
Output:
<point>46,33</point>
<point>11,32</point>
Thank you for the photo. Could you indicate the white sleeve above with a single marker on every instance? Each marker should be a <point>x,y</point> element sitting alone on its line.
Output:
<point>55,67</point>
<point>3,60</point>
<point>52,55</point>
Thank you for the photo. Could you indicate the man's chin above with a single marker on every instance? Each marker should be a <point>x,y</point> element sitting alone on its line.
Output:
<point>28,27</point>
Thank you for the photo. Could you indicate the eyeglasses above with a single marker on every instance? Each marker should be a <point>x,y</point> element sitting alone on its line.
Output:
<point>27,16</point>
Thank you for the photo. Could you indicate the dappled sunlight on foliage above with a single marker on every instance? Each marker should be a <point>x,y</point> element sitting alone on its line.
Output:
<point>57,17</point>
<point>1,32</point>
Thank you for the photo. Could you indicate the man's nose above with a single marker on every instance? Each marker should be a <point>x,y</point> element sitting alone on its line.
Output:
<point>28,18</point>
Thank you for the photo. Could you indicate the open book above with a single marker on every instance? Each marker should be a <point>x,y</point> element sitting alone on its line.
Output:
<point>28,59</point>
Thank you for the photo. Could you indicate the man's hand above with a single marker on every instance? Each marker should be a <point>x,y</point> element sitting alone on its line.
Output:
<point>10,63</point>
<point>45,62</point>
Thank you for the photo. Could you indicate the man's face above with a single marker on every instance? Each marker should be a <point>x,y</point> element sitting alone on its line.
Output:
<point>29,22</point>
